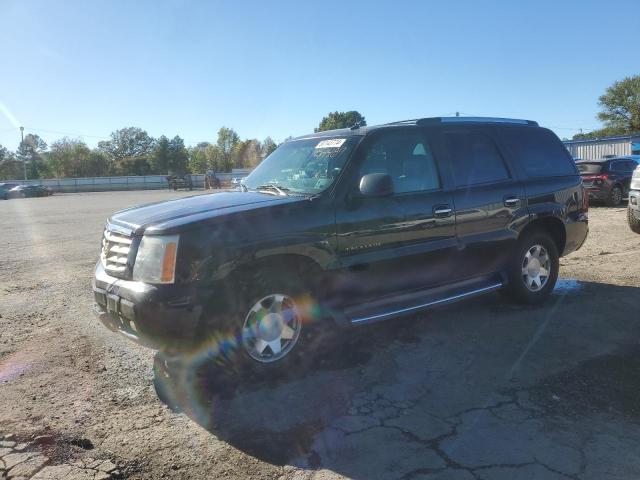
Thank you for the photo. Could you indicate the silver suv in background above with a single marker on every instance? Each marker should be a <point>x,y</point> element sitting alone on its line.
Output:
<point>633,210</point>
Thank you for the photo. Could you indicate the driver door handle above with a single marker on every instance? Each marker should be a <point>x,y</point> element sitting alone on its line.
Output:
<point>442,211</point>
<point>511,201</point>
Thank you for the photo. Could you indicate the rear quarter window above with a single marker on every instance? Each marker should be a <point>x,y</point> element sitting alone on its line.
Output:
<point>539,151</point>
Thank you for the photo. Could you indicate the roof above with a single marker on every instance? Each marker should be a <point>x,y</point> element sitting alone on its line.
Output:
<point>602,139</point>
<point>344,132</point>
<point>602,160</point>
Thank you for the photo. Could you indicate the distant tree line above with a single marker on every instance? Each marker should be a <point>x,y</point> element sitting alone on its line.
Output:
<point>131,151</point>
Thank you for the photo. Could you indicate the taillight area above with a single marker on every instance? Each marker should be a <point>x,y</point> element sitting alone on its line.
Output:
<point>596,179</point>
<point>585,201</point>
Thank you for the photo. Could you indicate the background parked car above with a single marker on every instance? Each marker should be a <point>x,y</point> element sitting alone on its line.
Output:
<point>180,181</point>
<point>607,179</point>
<point>25,191</point>
<point>633,210</point>
<point>5,188</point>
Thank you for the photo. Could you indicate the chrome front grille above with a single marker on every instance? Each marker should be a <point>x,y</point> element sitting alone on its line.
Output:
<point>115,252</point>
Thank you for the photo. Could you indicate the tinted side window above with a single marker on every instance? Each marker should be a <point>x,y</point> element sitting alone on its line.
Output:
<point>617,167</point>
<point>475,158</point>
<point>406,157</point>
<point>539,151</point>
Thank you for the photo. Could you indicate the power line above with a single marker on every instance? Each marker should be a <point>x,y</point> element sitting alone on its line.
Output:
<point>42,130</point>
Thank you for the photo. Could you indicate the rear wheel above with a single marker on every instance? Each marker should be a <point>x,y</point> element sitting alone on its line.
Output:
<point>615,196</point>
<point>533,270</point>
<point>634,222</point>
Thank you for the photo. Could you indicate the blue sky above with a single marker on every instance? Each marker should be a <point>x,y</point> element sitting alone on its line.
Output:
<point>276,68</point>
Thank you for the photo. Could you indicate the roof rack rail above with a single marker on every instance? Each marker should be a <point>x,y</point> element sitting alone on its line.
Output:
<point>413,120</point>
<point>441,120</point>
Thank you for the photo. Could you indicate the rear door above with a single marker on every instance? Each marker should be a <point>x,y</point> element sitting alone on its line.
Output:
<point>624,169</point>
<point>489,199</point>
<point>404,241</point>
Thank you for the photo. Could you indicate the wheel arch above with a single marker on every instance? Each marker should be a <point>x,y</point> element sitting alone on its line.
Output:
<point>551,225</point>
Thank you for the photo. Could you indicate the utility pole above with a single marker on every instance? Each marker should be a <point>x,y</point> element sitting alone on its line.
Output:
<point>24,161</point>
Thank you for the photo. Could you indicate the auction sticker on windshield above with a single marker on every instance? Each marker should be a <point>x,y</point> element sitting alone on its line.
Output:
<point>333,143</point>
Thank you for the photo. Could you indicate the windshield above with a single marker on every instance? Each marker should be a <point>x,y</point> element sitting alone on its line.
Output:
<point>590,168</point>
<point>306,166</point>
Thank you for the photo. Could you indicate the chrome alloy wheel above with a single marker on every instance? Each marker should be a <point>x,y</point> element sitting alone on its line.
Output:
<point>271,328</point>
<point>536,268</point>
<point>616,196</point>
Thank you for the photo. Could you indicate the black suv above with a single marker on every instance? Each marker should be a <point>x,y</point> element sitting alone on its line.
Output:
<point>607,179</point>
<point>343,228</point>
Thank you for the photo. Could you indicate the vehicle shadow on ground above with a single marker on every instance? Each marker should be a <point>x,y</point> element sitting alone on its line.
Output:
<point>378,400</point>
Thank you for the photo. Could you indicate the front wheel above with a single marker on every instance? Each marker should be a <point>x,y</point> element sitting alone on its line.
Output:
<point>634,222</point>
<point>533,270</point>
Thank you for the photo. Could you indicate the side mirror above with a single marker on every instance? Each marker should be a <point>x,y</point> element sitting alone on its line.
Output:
<point>376,185</point>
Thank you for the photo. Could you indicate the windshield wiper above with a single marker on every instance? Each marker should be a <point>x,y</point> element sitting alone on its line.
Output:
<point>279,190</point>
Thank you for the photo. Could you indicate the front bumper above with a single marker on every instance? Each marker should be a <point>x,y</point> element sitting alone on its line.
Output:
<point>163,317</point>
<point>634,202</point>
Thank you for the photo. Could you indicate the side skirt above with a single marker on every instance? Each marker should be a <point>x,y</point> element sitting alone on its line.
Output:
<point>413,302</point>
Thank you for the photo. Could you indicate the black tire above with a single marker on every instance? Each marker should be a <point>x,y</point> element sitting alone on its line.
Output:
<point>634,222</point>
<point>517,287</point>
<point>614,199</point>
<point>247,293</point>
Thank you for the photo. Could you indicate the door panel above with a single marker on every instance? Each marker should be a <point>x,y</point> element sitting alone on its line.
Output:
<point>489,200</point>
<point>394,243</point>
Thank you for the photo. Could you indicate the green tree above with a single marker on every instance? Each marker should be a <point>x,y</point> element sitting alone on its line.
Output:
<point>335,120</point>
<point>73,158</point>
<point>247,154</point>
<point>10,167</point>
<point>621,106</point>
<point>178,156</point>
<point>31,151</point>
<point>160,157</point>
<point>197,158</point>
<point>620,110</point>
<point>227,141</point>
<point>268,146</point>
<point>215,160</point>
<point>129,149</point>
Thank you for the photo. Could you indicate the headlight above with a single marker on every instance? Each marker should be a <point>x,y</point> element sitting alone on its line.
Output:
<point>635,180</point>
<point>156,259</point>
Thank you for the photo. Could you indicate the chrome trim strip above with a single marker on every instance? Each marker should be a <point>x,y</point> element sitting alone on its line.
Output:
<point>424,305</point>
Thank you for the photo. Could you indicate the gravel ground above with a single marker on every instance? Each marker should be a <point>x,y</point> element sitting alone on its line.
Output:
<point>481,390</point>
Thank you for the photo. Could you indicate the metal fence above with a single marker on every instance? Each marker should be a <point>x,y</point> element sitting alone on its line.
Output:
<point>131,182</point>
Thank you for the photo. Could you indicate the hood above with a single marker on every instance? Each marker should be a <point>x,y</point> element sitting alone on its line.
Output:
<point>169,214</point>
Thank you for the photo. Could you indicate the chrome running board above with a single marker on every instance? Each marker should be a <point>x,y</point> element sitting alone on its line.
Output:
<point>431,303</point>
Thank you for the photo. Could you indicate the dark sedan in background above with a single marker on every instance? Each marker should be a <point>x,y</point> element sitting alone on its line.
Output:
<point>607,179</point>
<point>25,191</point>
<point>5,188</point>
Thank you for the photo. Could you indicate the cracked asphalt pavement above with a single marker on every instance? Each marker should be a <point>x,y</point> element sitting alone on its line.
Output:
<point>483,390</point>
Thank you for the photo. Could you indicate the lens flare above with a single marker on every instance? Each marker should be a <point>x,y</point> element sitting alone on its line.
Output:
<point>219,353</point>
<point>7,113</point>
